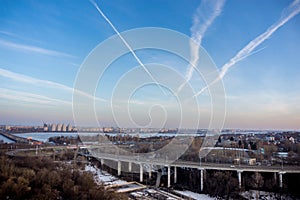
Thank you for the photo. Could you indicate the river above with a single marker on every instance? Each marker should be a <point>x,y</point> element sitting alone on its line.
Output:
<point>44,136</point>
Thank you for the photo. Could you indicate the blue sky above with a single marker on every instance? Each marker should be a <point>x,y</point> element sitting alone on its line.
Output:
<point>44,43</point>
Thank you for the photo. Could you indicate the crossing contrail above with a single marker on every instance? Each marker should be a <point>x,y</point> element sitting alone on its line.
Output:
<point>205,14</point>
<point>126,44</point>
<point>288,13</point>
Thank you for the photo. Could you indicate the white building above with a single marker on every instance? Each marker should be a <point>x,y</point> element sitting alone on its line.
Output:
<point>64,128</point>
<point>292,139</point>
<point>6,127</point>
<point>59,127</point>
<point>69,128</point>
<point>45,127</point>
<point>270,138</point>
<point>53,127</point>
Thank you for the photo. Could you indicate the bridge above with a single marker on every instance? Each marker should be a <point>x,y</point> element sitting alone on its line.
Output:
<point>151,162</point>
<point>148,164</point>
<point>16,139</point>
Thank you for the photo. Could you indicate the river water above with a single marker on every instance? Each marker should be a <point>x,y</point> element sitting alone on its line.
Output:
<point>5,139</point>
<point>44,136</point>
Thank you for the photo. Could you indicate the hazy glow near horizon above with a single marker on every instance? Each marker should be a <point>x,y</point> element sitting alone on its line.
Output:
<point>43,44</point>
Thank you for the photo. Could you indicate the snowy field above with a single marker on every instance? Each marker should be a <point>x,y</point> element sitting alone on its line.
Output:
<point>108,179</point>
<point>253,194</point>
<point>194,195</point>
<point>102,176</point>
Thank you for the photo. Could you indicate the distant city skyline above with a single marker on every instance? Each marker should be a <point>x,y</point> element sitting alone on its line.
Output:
<point>254,44</point>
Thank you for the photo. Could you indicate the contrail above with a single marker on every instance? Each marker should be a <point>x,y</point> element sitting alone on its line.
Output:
<point>35,49</point>
<point>126,44</point>
<point>288,13</point>
<point>202,19</point>
<point>44,83</point>
<point>30,97</point>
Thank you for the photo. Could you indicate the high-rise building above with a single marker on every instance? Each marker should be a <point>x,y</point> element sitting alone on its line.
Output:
<point>53,127</point>
<point>69,128</point>
<point>64,128</point>
<point>59,127</point>
<point>6,127</point>
<point>45,128</point>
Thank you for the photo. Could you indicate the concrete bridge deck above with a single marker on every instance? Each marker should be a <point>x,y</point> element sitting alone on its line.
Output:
<point>197,165</point>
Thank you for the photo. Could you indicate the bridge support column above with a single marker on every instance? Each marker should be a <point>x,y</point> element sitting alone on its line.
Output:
<point>129,166</point>
<point>280,179</point>
<point>119,168</point>
<point>150,171</point>
<point>169,176</point>
<point>201,179</point>
<point>175,174</point>
<point>275,177</point>
<point>141,173</point>
<point>239,173</point>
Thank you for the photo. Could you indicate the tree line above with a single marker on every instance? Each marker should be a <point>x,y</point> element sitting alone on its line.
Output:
<point>42,178</point>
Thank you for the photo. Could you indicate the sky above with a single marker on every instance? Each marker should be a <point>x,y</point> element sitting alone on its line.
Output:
<point>253,46</point>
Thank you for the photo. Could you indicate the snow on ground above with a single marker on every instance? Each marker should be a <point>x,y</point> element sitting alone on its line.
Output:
<point>252,194</point>
<point>248,195</point>
<point>194,195</point>
<point>108,179</point>
<point>102,176</point>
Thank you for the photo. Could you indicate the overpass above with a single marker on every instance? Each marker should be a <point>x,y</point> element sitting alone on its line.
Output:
<point>150,162</point>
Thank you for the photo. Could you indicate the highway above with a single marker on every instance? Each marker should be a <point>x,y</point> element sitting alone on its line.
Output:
<point>196,165</point>
<point>151,163</point>
<point>138,159</point>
